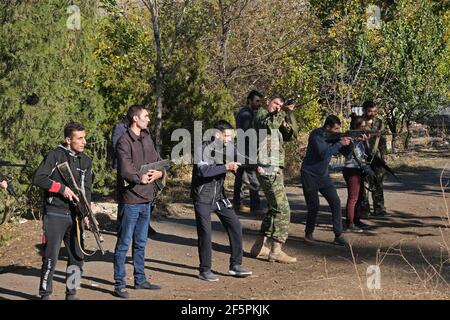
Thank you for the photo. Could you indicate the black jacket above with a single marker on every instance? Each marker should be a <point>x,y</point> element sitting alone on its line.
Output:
<point>48,177</point>
<point>208,175</point>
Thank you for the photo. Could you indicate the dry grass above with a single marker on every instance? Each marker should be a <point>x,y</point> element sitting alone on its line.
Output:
<point>431,276</point>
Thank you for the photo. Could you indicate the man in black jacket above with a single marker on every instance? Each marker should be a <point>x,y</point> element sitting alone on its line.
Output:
<point>208,193</point>
<point>244,121</point>
<point>59,219</point>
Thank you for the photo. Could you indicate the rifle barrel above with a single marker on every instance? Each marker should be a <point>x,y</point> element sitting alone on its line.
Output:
<point>10,164</point>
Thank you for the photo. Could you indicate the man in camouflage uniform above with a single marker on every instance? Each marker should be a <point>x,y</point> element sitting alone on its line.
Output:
<point>375,146</point>
<point>274,124</point>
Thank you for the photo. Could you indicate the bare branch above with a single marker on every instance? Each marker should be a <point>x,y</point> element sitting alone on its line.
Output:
<point>177,28</point>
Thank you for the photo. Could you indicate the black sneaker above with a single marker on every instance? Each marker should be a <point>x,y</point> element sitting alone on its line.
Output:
<point>340,241</point>
<point>309,239</point>
<point>238,271</point>
<point>45,297</point>
<point>362,225</point>
<point>381,214</point>
<point>121,293</point>
<point>353,228</point>
<point>208,276</point>
<point>148,286</point>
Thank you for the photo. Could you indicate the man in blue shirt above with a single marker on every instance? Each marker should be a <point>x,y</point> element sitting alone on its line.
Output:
<point>315,177</point>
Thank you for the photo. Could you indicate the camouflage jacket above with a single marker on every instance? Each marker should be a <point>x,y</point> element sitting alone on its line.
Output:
<point>273,129</point>
<point>377,125</point>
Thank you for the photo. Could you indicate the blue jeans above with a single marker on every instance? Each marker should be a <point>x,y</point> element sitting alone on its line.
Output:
<point>133,225</point>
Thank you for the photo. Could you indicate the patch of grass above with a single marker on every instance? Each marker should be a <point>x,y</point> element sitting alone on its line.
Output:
<point>420,160</point>
<point>4,239</point>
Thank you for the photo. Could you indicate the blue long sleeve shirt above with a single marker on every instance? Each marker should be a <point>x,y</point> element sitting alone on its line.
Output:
<point>319,153</point>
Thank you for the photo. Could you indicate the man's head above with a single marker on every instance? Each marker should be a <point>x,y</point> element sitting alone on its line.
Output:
<point>370,109</point>
<point>225,131</point>
<point>137,116</point>
<point>75,137</point>
<point>275,103</point>
<point>254,99</point>
<point>332,124</point>
<point>357,123</point>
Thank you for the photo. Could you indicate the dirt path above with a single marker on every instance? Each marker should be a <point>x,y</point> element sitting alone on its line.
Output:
<point>322,272</point>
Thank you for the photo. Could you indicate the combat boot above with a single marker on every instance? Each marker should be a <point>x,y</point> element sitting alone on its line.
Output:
<point>260,248</point>
<point>277,255</point>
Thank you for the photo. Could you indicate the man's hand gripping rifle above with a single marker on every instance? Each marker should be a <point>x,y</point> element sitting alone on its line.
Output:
<point>82,206</point>
<point>162,165</point>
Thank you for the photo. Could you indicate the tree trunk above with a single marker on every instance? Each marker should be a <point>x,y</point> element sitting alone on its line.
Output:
<point>225,25</point>
<point>408,134</point>
<point>159,111</point>
<point>392,124</point>
<point>159,82</point>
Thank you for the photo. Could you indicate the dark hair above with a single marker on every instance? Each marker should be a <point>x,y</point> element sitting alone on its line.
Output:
<point>134,110</point>
<point>276,96</point>
<point>356,121</point>
<point>125,121</point>
<point>223,125</point>
<point>71,127</point>
<point>368,104</point>
<point>253,94</point>
<point>331,121</point>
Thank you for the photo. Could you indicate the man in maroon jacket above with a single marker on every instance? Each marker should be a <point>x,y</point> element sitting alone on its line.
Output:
<point>134,149</point>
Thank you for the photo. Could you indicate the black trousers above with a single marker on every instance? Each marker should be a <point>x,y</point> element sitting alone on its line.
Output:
<point>59,227</point>
<point>377,194</point>
<point>239,195</point>
<point>312,185</point>
<point>232,226</point>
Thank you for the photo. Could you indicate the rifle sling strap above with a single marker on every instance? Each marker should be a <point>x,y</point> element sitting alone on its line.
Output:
<point>377,141</point>
<point>352,146</point>
<point>80,236</point>
<point>79,231</point>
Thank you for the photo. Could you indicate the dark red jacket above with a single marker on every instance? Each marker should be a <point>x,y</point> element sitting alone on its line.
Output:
<point>133,152</point>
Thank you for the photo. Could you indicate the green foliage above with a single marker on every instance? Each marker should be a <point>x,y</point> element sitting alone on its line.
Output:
<point>411,64</point>
<point>126,70</point>
<point>403,65</point>
<point>126,51</point>
<point>300,79</point>
<point>40,55</point>
<point>323,53</point>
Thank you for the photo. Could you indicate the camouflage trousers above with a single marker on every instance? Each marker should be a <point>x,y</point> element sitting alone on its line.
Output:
<point>376,185</point>
<point>275,224</point>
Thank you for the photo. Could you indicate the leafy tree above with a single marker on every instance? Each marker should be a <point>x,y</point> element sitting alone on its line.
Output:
<point>41,57</point>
